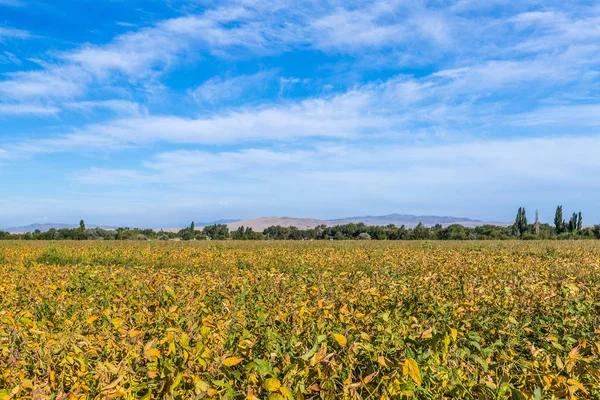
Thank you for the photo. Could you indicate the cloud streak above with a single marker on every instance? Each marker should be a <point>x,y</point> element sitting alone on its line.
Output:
<point>27,109</point>
<point>12,33</point>
<point>219,89</point>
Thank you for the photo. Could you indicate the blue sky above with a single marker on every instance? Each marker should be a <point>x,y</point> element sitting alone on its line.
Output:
<point>154,113</point>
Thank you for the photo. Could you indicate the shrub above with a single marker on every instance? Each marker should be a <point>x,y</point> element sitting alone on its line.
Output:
<point>364,236</point>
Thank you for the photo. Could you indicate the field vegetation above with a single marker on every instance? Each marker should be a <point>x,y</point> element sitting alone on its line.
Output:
<point>293,320</point>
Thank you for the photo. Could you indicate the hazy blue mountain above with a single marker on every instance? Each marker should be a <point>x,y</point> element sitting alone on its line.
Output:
<point>408,220</point>
<point>217,222</point>
<point>412,220</point>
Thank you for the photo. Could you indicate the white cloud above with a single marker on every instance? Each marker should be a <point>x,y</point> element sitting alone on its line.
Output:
<point>53,82</point>
<point>126,24</point>
<point>223,89</point>
<point>555,30</point>
<point>118,106</point>
<point>570,116</point>
<point>13,3</point>
<point>7,57</point>
<point>462,101</point>
<point>343,116</point>
<point>12,33</point>
<point>27,109</point>
<point>355,29</point>
<point>228,32</point>
<point>470,163</point>
<point>414,32</point>
<point>370,26</point>
<point>186,165</point>
<point>138,55</point>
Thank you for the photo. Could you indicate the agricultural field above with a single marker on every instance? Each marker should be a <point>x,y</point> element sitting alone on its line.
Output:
<point>294,320</point>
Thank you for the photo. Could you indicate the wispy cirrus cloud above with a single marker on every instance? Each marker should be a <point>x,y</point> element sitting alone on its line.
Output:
<point>233,30</point>
<point>7,57</point>
<point>26,109</point>
<point>138,55</point>
<point>218,89</point>
<point>12,33</point>
<point>468,99</point>
<point>562,116</point>
<point>12,3</point>
<point>339,117</point>
<point>53,82</point>
<point>122,107</point>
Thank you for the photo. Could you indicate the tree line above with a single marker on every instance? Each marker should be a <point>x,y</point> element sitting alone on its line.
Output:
<point>521,229</point>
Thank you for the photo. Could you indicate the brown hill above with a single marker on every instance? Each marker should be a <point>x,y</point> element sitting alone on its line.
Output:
<point>260,224</point>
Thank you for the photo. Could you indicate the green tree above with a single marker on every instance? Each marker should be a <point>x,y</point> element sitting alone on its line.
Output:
<point>420,232</point>
<point>520,225</point>
<point>573,223</point>
<point>216,232</point>
<point>81,225</point>
<point>579,221</point>
<point>193,229</point>
<point>559,222</point>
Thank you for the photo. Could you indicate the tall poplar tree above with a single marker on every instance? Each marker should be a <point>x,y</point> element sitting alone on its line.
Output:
<point>559,222</point>
<point>520,226</point>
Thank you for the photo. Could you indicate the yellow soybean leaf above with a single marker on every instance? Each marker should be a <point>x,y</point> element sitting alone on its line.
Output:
<point>151,352</point>
<point>369,378</point>
<point>427,334</point>
<point>271,384</point>
<point>251,395</point>
<point>413,371</point>
<point>453,333</point>
<point>27,384</point>
<point>112,385</point>
<point>344,310</point>
<point>577,384</point>
<point>341,339</point>
<point>91,319</point>
<point>286,392</point>
<point>231,361</point>
<point>117,322</point>
<point>559,363</point>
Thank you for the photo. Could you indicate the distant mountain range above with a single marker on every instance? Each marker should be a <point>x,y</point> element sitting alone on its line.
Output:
<point>260,224</point>
<point>410,221</point>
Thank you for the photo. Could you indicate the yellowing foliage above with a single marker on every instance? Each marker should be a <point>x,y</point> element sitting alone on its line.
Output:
<point>341,339</point>
<point>231,361</point>
<point>299,320</point>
